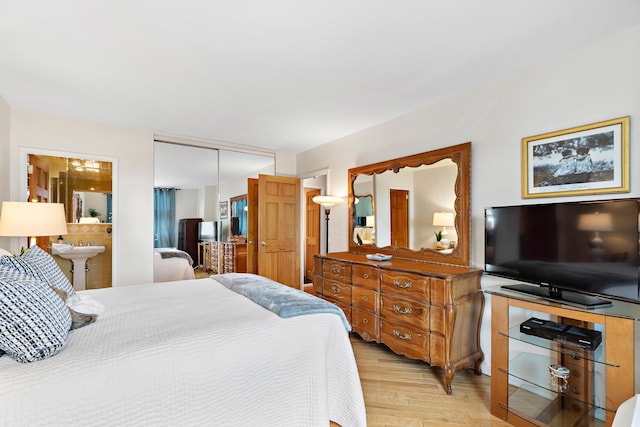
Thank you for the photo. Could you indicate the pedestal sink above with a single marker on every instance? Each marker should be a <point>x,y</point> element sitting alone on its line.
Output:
<point>78,255</point>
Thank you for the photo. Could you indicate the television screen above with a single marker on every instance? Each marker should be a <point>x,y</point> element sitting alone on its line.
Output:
<point>208,231</point>
<point>235,226</point>
<point>588,247</point>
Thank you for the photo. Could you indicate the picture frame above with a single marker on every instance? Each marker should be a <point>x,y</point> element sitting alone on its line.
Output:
<point>588,159</point>
<point>224,210</point>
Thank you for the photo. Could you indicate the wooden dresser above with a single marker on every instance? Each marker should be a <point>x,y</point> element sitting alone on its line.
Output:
<point>422,310</point>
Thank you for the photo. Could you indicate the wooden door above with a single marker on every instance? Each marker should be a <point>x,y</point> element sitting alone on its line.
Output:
<point>279,229</point>
<point>38,180</point>
<point>399,200</point>
<point>39,191</point>
<point>312,231</point>
<point>252,225</point>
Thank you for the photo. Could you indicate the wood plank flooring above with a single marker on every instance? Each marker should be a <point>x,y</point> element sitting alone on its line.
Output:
<point>403,392</point>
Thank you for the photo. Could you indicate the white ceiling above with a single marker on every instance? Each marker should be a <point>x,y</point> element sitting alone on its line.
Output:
<point>284,75</point>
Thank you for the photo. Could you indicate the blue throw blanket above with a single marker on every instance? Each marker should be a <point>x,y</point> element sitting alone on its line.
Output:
<point>282,300</point>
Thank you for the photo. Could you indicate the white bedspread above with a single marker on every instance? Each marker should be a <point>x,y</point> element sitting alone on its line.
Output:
<point>171,269</point>
<point>190,353</point>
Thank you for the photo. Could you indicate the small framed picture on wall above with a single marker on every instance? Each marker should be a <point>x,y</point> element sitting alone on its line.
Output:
<point>224,210</point>
<point>589,159</point>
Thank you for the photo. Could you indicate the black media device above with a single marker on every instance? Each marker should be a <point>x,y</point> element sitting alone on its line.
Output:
<point>566,334</point>
<point>578,253</point>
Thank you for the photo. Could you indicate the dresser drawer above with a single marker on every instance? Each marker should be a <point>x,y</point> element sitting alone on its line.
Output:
<point>365,324</point>
<point>365,276</point>
<point>405,310</point>
<point>365,299</point>
<point>346,309</point>
<point>336,270</point>
<point>337,291</point>
<point>405,340</point>
<point>410,285</point>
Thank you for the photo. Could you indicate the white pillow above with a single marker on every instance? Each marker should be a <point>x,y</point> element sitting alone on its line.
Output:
<point>5,252</point>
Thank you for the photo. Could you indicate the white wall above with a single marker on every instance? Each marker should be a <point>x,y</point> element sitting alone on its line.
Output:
<point>133,191</point>
<point>5,159</point>
<point>596,82</point>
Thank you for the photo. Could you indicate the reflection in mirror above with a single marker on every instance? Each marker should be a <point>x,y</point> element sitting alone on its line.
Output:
<point>239,210</point>
<point>364,232</point>
<point>408,224</point>
<point>406,193</point>
<point>84,187</point>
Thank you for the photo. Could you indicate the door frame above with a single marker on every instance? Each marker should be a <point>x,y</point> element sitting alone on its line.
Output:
<point>115,234</point>
<point>323,190</point>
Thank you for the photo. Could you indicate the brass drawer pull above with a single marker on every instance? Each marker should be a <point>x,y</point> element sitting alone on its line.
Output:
<point>402,310</point>
<point>406,336</point>
<point>365,275</point>
<point>335,289</point>
<point>365,298</point>
<point>406,285</point>
<point>335,270</point>
<point>365,321</point>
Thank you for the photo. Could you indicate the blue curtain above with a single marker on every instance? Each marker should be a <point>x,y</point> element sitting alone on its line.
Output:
<point>109,207</point>
<point>164,217</point>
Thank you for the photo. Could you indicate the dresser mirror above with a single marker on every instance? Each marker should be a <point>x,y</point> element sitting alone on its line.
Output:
<point>392,206</point>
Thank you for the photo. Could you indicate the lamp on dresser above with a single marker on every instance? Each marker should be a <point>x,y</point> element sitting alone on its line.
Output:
<point>327,202</point>
<point>444,220</point>
<point>32,219</point>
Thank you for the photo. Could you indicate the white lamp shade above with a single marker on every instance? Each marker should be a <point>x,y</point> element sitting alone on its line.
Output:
<point>443,219</point>
<point>327,200</point>
<point>25,219</point>
<point>595,222</point>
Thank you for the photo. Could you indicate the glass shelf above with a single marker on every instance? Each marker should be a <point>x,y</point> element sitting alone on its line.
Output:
<point>536,395</point>
<point>574,352</point>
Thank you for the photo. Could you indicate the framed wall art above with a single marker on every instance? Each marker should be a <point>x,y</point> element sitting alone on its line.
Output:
<point>589,159</point>
<point>224,210</point>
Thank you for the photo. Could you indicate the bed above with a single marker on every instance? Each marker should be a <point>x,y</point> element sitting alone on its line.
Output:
<point>171,264</point>
<point>189,353</point>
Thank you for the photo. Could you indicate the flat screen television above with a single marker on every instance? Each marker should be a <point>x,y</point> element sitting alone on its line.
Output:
<point>235,226</point>
<point>581,253</point>
<point>208,231</point>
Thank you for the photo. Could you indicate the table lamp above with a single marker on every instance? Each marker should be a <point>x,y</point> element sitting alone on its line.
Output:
<point>444,220</point>
<point>32,219</point>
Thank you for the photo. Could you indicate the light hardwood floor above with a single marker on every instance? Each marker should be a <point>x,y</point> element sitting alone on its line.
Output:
<point>400,392</point>
<point>403,392</point>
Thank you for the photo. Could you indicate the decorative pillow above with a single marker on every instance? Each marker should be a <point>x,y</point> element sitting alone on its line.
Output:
<point>11,274</point>
<point>40,265</point>
<point>34,321</point>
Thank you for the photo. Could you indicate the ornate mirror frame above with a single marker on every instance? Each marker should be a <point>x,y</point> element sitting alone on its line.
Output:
<point>461,156</point>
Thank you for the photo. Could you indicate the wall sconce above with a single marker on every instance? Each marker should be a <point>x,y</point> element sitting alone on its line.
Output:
<point>444,220</point>
<point>327,202</point>
<point>32,219</point>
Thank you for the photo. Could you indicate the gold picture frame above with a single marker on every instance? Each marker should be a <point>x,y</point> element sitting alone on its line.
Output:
<point>589,159</point>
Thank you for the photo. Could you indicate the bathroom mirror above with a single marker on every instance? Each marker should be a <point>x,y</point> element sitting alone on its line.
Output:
<point>83,185</point>
<point>406,193</point>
